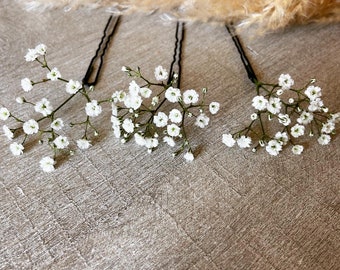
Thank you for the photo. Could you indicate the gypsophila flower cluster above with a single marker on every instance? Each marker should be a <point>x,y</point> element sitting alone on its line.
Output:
<point>137,113</point>
<point>284,115</point>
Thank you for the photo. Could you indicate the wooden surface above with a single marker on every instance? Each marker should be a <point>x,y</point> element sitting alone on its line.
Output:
<point>117,207</point>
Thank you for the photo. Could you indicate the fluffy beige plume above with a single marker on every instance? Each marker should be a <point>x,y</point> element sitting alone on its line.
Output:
<point>268,14</point>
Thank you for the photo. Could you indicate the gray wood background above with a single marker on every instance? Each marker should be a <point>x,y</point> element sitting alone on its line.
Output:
<point>117,207</point>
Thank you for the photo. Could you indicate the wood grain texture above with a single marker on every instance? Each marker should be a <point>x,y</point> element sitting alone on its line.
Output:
<point>118,207</point>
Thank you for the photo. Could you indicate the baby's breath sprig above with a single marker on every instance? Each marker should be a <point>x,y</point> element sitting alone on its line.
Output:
<point>284,114</point>
<point>139,113</point>
<point>48,127</point>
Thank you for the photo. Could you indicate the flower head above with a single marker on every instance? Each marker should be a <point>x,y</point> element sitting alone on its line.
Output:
<point>57,124</point>
<point>173,130</point>
<point>134,88</point>
<point>188,156</point>
<point>228,140</point>
<point>202,120</point>
<point>160,120</point>
<point>190,97</point>
<point>214,107</point>
<point>128,125</point>
<point>297,149</point>
<point>285,81</point>
<point>170,141</point>
<point>175,116</point>
<point>260,103</point>
<point>26,84</point>
<point>313,92</point>
<point>83,144</point>
<point>273,147</point>
<point>305,118</point>
<point>243,141</point>
<point>41,49</point>
<point>47,164</point>
<point>4,114</point>
<point>145,92</point>
<point>281,137</point>
<point>139,139</point>
<point>31,127</point>
<point>73,87</point>
<point>328,127</point>
<point>161,74</point>
<point>54,74</point>
<point>31,55</point>
<point>297,130</point>
<point>324,139</point>
<point>44,107</point>
<point>93,109</point>
<point>61,142</point>
<point>173,94</point>
<point>284,119</point>
<point>8,133</point>
<point>274,105</point>
<point>16,149</point>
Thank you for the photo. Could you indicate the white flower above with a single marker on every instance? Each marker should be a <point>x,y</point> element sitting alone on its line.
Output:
<point>253,116</point>
<point>83,144</point>
<point>188,156</point>
<point>44,107</point>
<point>324,139</point>
<point>139,139</point>
<point>175,116</point>
<point>61,142</point>
<point>145,92</point>
<point>190,96</point>
<point>41,49</point>
<point>214,107</point>
<point>128,125</point>
<point>16,149</point>
<point>173,130</point>
<point>8,133</point>
<point>259,103</point>
<point>53,75</point>
<point>57,124</point>
<point>202,120</point>
<point>155,100</point>
<point>173,94</point>
<point>4,114</point>
<point>285,81</point>
<point>228,140</point>
<point>327,127</point>
<point>133,102</point>
<point>20,100</point>
<point>93,109</point>
<point>31,127</point>
<point>151,143</point>
<point>118,96</point>
<point>284,119</point>
<point>170,141</point>
<point>31,55</point>
<point>47,164</point>
<point>116,131</point>
<point>297,149</point>
<point>161,74</point>
<point>281,137</point>
<point>335,118</point>
<point>273,147</point>
<point>313,92</point>
<point>73,87</point>
<point>305,118</point>
<point>274,105</point>
<point>26,84</point>
<point>297,130</point>
<point>134,88</point>
<point>160,120</point>
<point>124,69</point>
<point>115,121</point>
<point>243,141</point>
<point>315,105</point>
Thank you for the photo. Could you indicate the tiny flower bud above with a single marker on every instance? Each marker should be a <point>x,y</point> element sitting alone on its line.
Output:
<point>261,142</point>
<point>130,110</point>
<point>96,133</point>
<point>149,151</point>
<point>291,100</point>
<point>325,109</point>
<point>204,90</point>
<point>312,80</point>
<point>253,116</point>
<point>279,92</point>
<point>270,117</point>
<point>20,100</point>
<point>91,88</point>
<point>189,114</point>
<point>299,109</point>
<point>253,150</point>
<point>71,153</point>
<point>311,134</point>
<point>123,141</point>
<point>156,135</point>
<point>41,141</point>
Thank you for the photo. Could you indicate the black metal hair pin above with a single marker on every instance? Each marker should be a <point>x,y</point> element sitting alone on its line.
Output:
<point>175,66</point>
<point>96,63</point>
<point>250,71</point>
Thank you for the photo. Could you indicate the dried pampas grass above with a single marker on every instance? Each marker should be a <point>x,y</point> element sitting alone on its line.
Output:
<point>268,14</point>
